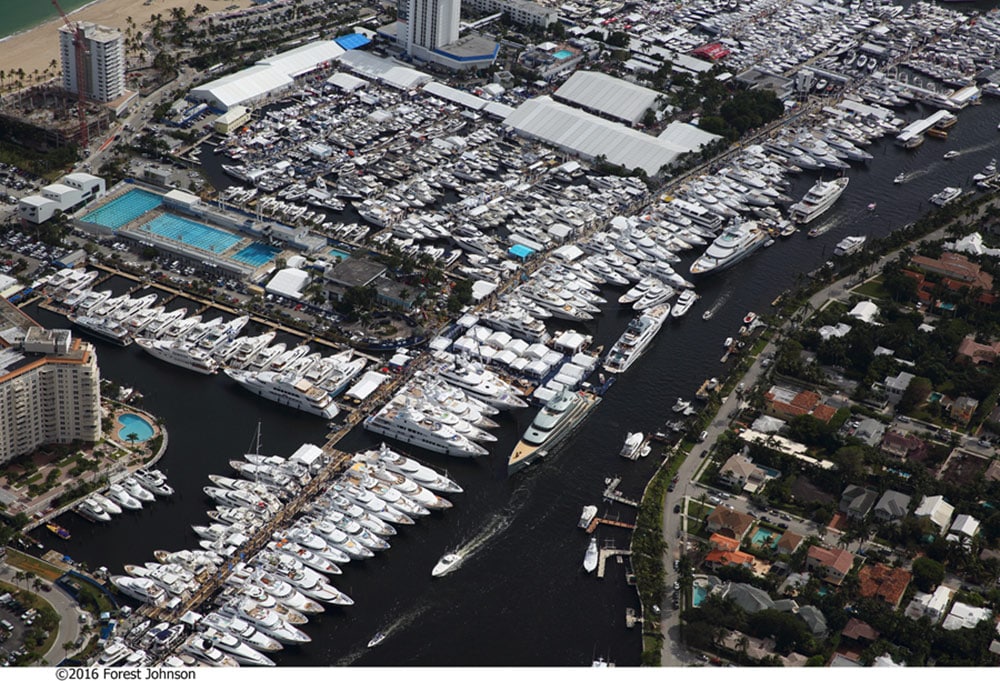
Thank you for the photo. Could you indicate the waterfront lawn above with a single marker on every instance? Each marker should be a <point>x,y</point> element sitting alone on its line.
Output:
<point>26,563</point>
<point>872,288</point>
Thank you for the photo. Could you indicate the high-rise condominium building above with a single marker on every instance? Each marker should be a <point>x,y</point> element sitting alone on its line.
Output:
<point>103,75</point>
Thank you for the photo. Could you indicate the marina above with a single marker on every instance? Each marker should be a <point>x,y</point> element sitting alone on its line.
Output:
<point>513,337</point>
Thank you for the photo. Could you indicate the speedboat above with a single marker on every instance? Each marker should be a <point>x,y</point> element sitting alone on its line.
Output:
<point>448,563</point>
<point>376,639</point>
<point>590,557</point>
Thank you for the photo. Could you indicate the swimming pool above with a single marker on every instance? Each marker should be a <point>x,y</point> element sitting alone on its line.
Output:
<point>698,595</point>
<point>337,253</point>
<point>132,423</point>
<point>191,233</point>
<point>762,536</point>
<point>562,54</point>
<point>257,254</point>
<point>123,210</point>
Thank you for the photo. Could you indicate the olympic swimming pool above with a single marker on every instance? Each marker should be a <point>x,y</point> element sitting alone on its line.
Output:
<point>117,213</point>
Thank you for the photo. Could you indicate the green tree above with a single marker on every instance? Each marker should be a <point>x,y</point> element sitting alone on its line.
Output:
<point>927,573</point>
<point>916,394</point>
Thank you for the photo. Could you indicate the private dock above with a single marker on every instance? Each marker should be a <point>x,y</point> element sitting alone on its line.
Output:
<point>603,556</point>
<point>611,493</point>
<point>607,521</point>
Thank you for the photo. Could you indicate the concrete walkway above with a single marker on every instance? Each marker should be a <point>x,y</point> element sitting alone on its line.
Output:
<point>65,607</point>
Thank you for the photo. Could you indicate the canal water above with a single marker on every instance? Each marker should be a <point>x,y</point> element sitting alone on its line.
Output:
<point>522,598</point>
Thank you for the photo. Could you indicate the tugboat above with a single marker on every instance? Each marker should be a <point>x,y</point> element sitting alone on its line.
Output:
<point>58,530</point>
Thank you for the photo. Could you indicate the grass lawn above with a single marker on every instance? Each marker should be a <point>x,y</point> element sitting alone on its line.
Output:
<point>26,563</point>
<point>698,510</point>
<point>872,289</point>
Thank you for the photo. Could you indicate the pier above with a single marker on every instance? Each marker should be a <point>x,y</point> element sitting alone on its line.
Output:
<point>611,493</point>
<point>603,556</point>
<point>607,521</point>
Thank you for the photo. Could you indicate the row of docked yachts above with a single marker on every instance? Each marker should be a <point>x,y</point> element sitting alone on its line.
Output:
<point>266,596</point>
<point>143,486</point>
<point>292,376</point>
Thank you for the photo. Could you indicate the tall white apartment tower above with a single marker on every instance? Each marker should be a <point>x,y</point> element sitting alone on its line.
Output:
<point>427,24</point>
<point>103,62</point>
<point>50,386</point>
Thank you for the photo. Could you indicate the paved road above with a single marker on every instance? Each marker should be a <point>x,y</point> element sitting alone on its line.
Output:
<point>65,607</point>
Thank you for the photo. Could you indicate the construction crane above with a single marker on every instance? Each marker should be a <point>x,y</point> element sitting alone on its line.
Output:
<point>80,49</point>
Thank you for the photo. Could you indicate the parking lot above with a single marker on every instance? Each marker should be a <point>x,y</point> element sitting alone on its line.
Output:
<point>14,620</point>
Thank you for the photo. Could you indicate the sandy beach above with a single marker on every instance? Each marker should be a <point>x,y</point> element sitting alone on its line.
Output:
<point>37,47</point>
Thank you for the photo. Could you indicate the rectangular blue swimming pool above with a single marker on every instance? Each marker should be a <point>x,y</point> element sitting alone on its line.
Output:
<point>337,253</point>
<point>117,213</point>
<point>191,233</point>
<point>257,254</point>
<point>562,54</point>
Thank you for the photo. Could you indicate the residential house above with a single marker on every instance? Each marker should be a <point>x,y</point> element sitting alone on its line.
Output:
<point>895,386</point>
<point>831,564</point>
<point>788,543</point>
<point>814,620</point>
<point>937,509</point>
<point>749,598</point>
<point>786,403</point>
<point>978,353</point>
<point>956,267</point>
<point>963,408</point>
<point>865,311</point>
<point>739,472</point>
<point>887,584</point>
<point>716,559</point>
<point>859,632</point>
<point>965,526</point>
<point>933,605</point>
<point>870,431</point>
<point>903,445</point>
<point>964,616</point>
<point>857,501</point>
<point>729,522</point>
<point>892,506</point>
<point>720,542</point>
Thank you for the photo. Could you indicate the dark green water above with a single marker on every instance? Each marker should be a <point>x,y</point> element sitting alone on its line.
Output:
<point>20,15</point>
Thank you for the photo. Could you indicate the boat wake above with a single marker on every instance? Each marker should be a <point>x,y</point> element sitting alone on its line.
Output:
<point>398,624</point>
<point>717,305</point>
<point>496,525</point>
<point>915,174</point>
<point>978,147</point>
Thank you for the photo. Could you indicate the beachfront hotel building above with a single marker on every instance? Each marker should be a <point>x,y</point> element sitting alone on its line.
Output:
<point>49,386</point>
<point>103,77</point>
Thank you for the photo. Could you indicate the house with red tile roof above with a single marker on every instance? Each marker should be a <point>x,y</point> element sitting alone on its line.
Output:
<point>729,522</point>
<point>717,559</point>
<point>903,445</point>
<point>788,543</point>
<point>887,584</point>
<point>831,564</point>
<point>723,543</point>
<point>976,352</point>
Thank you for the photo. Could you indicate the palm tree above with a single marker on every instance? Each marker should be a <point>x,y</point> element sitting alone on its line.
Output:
<point>132,438</point>
<point>19,576</point>
<point>37,583</point>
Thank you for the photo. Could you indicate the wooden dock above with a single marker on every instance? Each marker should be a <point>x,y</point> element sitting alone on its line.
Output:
<point>607,521</point>
<point>604,554</point>
<point>611,493</point>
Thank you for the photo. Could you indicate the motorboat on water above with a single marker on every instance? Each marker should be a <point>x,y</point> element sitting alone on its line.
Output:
<point>635,447</point>
<point>414,427</point>
<point>737,241</point>
<point>820,197</point>
<point>550,428</point>
<point>636,339</point>
<point>376,639</point>
<point>683,303</point>
<point>288,389</point>
<point>590,557</point>
<point>93,511</point>
<point>449,562</point>
<point>142,589</point>
<point>180,353</point>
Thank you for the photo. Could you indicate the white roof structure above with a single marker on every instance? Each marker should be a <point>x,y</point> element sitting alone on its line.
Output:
<point>498,109</point>
<point>346,81</point>
<point>607,95</point>
<point>368,384</point>
<point>385,71</point>
<point>687,136</point>
<point>460,97</point>
<point>288,282</point>
<point>267,76</point>
<point>965,524</point>
<point>590,136</point>
<point>307,454</point>
<point>937,509</point>
<point>865,311</point>
<point>930,605</point>
<point>963,616</point>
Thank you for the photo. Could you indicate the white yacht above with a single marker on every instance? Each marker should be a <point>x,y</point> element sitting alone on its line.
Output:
<point>413,427</point>
<point>683,303</point>
<point>204,652</point>
<point>817,200</point>
<point>141,589</point>
<point>180,353</point>
<point>448,563</point>
<point>517,322</point>
<point>849,245</point>
<point>590,557</point>
<point>555,422</point>
<point>635,446</point>
<point>736,242</point>
<point>639,333</point>
<point>93,511</point>
<point>243,630</point>
<point>163,321</point>
<point>102,327</point>
<point>482,384</point>
<point>946,196</point>
<point>287,389</point>
<point>412,469</point>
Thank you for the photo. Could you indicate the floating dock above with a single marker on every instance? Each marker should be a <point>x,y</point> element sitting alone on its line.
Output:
<point>611,493</point>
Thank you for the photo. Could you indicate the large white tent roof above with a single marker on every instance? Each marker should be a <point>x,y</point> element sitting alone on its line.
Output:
<point>267,76</point>
<point>383,70</point>
<point>460,97</point>
<point>591,136</point>
<point>687,136</point>
<point>606,94</point>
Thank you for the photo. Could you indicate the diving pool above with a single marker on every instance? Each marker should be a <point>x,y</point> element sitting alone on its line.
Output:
<point>191,233</point>
<point>117,213</point>
<point>132,423</point>
<point>257,254</point>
